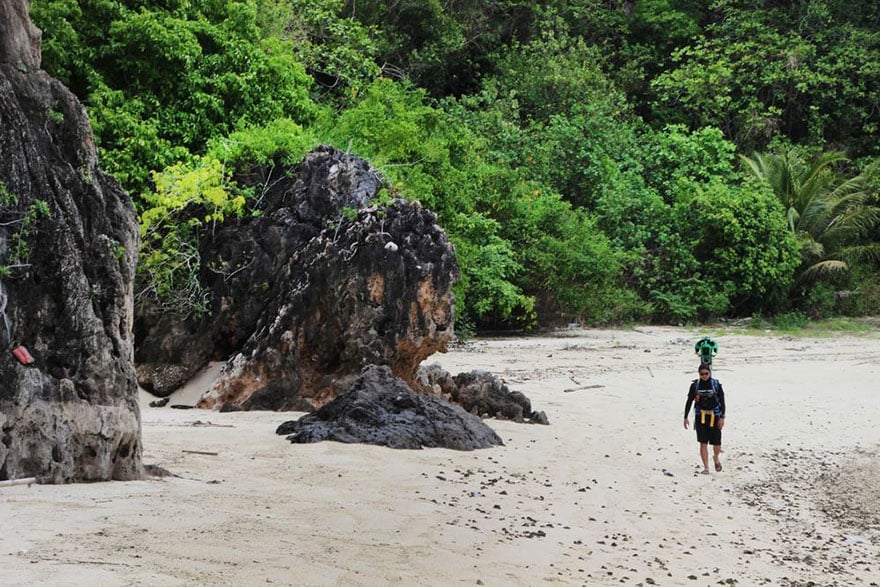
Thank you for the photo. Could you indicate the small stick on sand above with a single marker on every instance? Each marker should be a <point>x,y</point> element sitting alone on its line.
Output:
<point>597,386</point>
<point>201,452</point>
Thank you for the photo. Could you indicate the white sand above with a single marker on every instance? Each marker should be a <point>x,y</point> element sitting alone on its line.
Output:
<point>584,501</point>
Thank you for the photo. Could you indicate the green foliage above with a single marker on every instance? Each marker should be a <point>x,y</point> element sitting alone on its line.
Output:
<point>579,153</point>
<point>743,246</point>
<point>574,273</point>
<point>811,75</point>
<point>675,158</point>
<point>188,199</point>
<point>339,51</point>
<point>55,116</point>
<point>131,142</point>
<point>562,117</point>
<point>828,212</point>
<point>427,152</point>
<point>821,300</point>
<point>694,243</point>
<point>790,321</point>
<point>485,292</point>
<point>673,307</point>
<point>17,225</point>
<point>7,198</point>
<point>443,46</point>
<point>282,139</point>
<point>161,81</point>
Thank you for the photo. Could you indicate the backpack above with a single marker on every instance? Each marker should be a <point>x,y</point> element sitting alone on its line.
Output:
<point>702,394</point>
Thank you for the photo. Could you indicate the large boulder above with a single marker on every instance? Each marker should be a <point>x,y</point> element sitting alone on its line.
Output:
<point>381,409</point>
<point>308,292</point>
<point>68,244</point>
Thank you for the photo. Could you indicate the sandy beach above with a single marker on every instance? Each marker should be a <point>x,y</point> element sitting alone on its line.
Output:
<point>607,494</point>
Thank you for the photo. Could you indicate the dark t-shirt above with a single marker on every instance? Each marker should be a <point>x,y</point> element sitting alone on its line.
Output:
<point>706,395</point>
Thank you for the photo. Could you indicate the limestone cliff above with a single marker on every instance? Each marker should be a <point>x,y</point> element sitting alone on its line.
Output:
<point>68,244</point>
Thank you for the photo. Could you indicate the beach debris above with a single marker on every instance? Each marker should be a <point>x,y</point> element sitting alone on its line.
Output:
<point>159,402</point>
<point>152,470</point>
<point>209,424</point>
<point>22,355</point>
<point>201,452</point>
<point>573,389</point>
<point>381,409</point>
<point>855,540</point>
<point>23,481</point>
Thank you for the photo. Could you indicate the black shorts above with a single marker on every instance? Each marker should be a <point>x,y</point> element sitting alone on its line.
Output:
<point>707,434</point>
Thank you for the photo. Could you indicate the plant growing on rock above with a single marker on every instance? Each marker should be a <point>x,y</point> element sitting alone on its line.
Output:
<point>187,199</point>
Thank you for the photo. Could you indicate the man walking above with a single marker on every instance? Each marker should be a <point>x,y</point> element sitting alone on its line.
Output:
<point>707,396</point>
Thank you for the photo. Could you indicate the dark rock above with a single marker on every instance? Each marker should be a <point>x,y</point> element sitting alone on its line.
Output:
<point>486,394</point>
<point>379,408</point>
<point>72,414</point>
<point>437,379</point>
<point>480,393</point>
<point>162,379</point>
<point>19,38</point>
<point>311,290</point>
<point>483,393</point>
<point>540,418</point>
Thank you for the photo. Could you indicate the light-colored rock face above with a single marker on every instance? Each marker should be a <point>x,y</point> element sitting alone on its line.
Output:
<point>19,38</point>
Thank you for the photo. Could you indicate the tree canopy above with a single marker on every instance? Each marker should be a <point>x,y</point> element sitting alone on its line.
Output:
<point>592,160</point>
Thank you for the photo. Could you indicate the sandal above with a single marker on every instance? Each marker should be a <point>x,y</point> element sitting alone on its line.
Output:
<point>718,466</point>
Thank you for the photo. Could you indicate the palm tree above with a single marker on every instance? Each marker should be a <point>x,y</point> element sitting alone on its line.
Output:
<point>828,213</point>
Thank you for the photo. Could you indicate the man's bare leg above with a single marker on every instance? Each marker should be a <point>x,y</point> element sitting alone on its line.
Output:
<point>704,456</point>
<point>717,450</point>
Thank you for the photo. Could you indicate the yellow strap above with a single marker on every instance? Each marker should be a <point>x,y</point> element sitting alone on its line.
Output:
<point>711,417</point>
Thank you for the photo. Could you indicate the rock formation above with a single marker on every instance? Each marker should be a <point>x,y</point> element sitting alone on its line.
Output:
<point>482,394</point>
<point>381,409</point>
<point>306,294</point>
<point>19,38</point>
<point>68,244</point>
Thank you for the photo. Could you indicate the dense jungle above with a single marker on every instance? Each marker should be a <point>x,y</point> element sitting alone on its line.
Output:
<point>593,161</point>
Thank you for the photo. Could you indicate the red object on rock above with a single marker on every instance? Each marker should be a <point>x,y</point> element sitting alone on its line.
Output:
<point>23,356</point>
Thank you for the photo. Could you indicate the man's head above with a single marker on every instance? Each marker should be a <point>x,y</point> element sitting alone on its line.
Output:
<point>704,371</point>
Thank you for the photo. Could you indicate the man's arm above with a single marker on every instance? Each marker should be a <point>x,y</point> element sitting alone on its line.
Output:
<point>692,392</point>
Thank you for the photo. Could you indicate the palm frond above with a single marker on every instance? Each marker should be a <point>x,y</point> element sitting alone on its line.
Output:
<point>862,253</point>
<point>822,269</point>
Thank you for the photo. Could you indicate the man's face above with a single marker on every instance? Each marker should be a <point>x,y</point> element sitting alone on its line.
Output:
<point>704,375</point>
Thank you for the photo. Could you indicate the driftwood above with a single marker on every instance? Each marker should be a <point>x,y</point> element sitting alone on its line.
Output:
<point>596,386</point>
<point>23,481</point>
<point>201,452</point>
